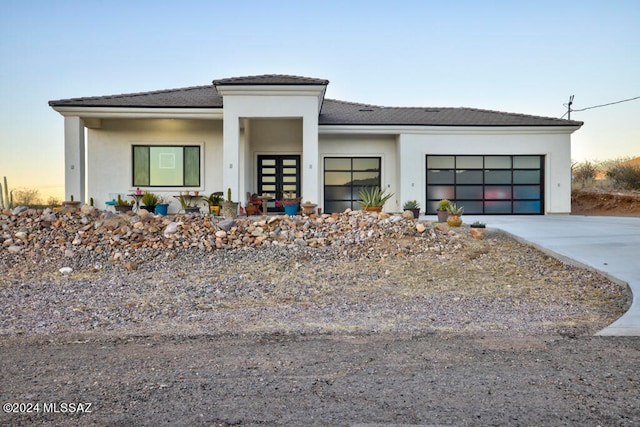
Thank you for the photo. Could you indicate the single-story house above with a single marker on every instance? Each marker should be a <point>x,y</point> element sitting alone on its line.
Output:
<point>273,134</point>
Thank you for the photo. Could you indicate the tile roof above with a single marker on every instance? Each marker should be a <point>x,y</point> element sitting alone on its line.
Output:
<point>333,112</point>
<point>348,113</point>
<point>271,79</point>
<point>188,97</point>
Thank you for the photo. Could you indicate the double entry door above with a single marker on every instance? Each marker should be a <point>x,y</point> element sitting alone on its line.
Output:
<point>279,176</point>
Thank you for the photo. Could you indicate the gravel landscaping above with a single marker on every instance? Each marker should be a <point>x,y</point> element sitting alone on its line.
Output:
<point>347,319</point>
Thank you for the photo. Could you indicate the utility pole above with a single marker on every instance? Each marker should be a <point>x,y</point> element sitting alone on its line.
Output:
<point>569,107</point>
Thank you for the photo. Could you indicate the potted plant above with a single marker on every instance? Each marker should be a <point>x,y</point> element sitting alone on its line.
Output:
<point>478,230</point>
<point>372,199</point>
<point>71,204</point>
<point>150,200</point>
<point>122,205</point>
<point>162,206</point>
<point>290,204</point>
<point>443,210</point>
<point>308,208</point>
<point>214,200</point>
<point>455,213</point>
<point>187,203</point>
<point>413,206</point>
<point>229,209</point>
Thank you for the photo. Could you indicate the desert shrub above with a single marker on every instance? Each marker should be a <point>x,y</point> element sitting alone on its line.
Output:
<point>584,172</point>
<point>625,176</point>
<point>26,197</point>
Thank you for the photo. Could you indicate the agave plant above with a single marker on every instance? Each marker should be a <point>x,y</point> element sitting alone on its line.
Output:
<point>373,197</point>
<point>455,210</point>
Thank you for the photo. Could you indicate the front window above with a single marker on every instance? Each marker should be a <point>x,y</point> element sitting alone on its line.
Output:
<point>166,166</point>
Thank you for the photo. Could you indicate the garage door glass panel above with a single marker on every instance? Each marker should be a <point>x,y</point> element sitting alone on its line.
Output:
<point>441,192</point>
<point>526,162</point>
<point>468,176</point>
<point>526,192</point>
<point>335,164</point>
<point>366,164</point>
<point>497,207</point>
<point>497,177</point>
<point>526,207</point>
<point>338,193</point>
<point>469,192</point>
<point>497,162</point>
<point>441,177</point>
<point>526,176</point>
<point>344,177</point>
<point>337,178</point>
<point>440,162</point>
<point>496,192</point>
<point>366,179</point>
<point>471,207</point>
<point>469,162</point>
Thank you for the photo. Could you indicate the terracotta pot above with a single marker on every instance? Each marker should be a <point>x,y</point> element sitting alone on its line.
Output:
<point>454,220</point>
<point>477,232</point>
<point>250,209</point>
<point>308,208</point>
<point>373,209</point>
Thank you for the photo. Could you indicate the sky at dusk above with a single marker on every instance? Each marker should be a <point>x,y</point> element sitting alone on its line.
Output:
<point>525,57</point>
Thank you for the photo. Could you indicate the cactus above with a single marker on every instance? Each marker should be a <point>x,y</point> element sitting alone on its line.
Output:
<point>91,202</point>
<point>7,202</point>
<point>1,198</point>
<point>71,198</point>
<point>229,194</point>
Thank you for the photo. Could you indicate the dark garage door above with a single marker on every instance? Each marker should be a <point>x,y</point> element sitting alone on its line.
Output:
<point>498,185</point>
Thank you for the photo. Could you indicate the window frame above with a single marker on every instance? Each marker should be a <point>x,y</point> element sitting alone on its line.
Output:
<point>198,147</point>
<point>354,201</point>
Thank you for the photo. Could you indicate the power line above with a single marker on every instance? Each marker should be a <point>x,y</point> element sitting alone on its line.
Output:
<point>569,110</point>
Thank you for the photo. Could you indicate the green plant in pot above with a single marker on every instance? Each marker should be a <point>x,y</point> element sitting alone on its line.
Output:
<point>372,199</point>
<point>443,210</point>
<point>150,200</point>
<point>215,200</point>
<point>122,205</point>
<point>413,206</point>
<point>186,203</point>
<point>455,213</point>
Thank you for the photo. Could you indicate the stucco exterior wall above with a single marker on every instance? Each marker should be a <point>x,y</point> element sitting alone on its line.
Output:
<point>554,145</point>
<point>109,154</point>
<point>383,146</point>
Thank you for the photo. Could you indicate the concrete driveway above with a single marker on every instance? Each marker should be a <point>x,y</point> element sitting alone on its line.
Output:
<point>610,245</point>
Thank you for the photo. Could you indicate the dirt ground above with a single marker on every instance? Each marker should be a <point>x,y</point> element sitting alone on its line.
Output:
<point>593,201</point>
<point>431,377</point>
<point>361,380</point>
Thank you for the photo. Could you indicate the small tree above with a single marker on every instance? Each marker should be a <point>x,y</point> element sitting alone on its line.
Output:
<point>26,197</point>
<point>584,172</point>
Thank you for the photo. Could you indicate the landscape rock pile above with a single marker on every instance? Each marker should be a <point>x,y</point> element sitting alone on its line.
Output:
<point>134,237</point>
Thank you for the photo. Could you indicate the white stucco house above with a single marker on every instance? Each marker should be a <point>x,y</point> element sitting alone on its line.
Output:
<point>278,133</point>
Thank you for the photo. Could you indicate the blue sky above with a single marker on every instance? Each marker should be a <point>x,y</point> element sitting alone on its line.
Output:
<point>526,57</point>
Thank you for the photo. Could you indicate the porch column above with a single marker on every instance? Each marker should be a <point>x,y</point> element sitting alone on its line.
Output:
<point>74,158</point>
<point>310,166</point>
<point>231,157</point>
